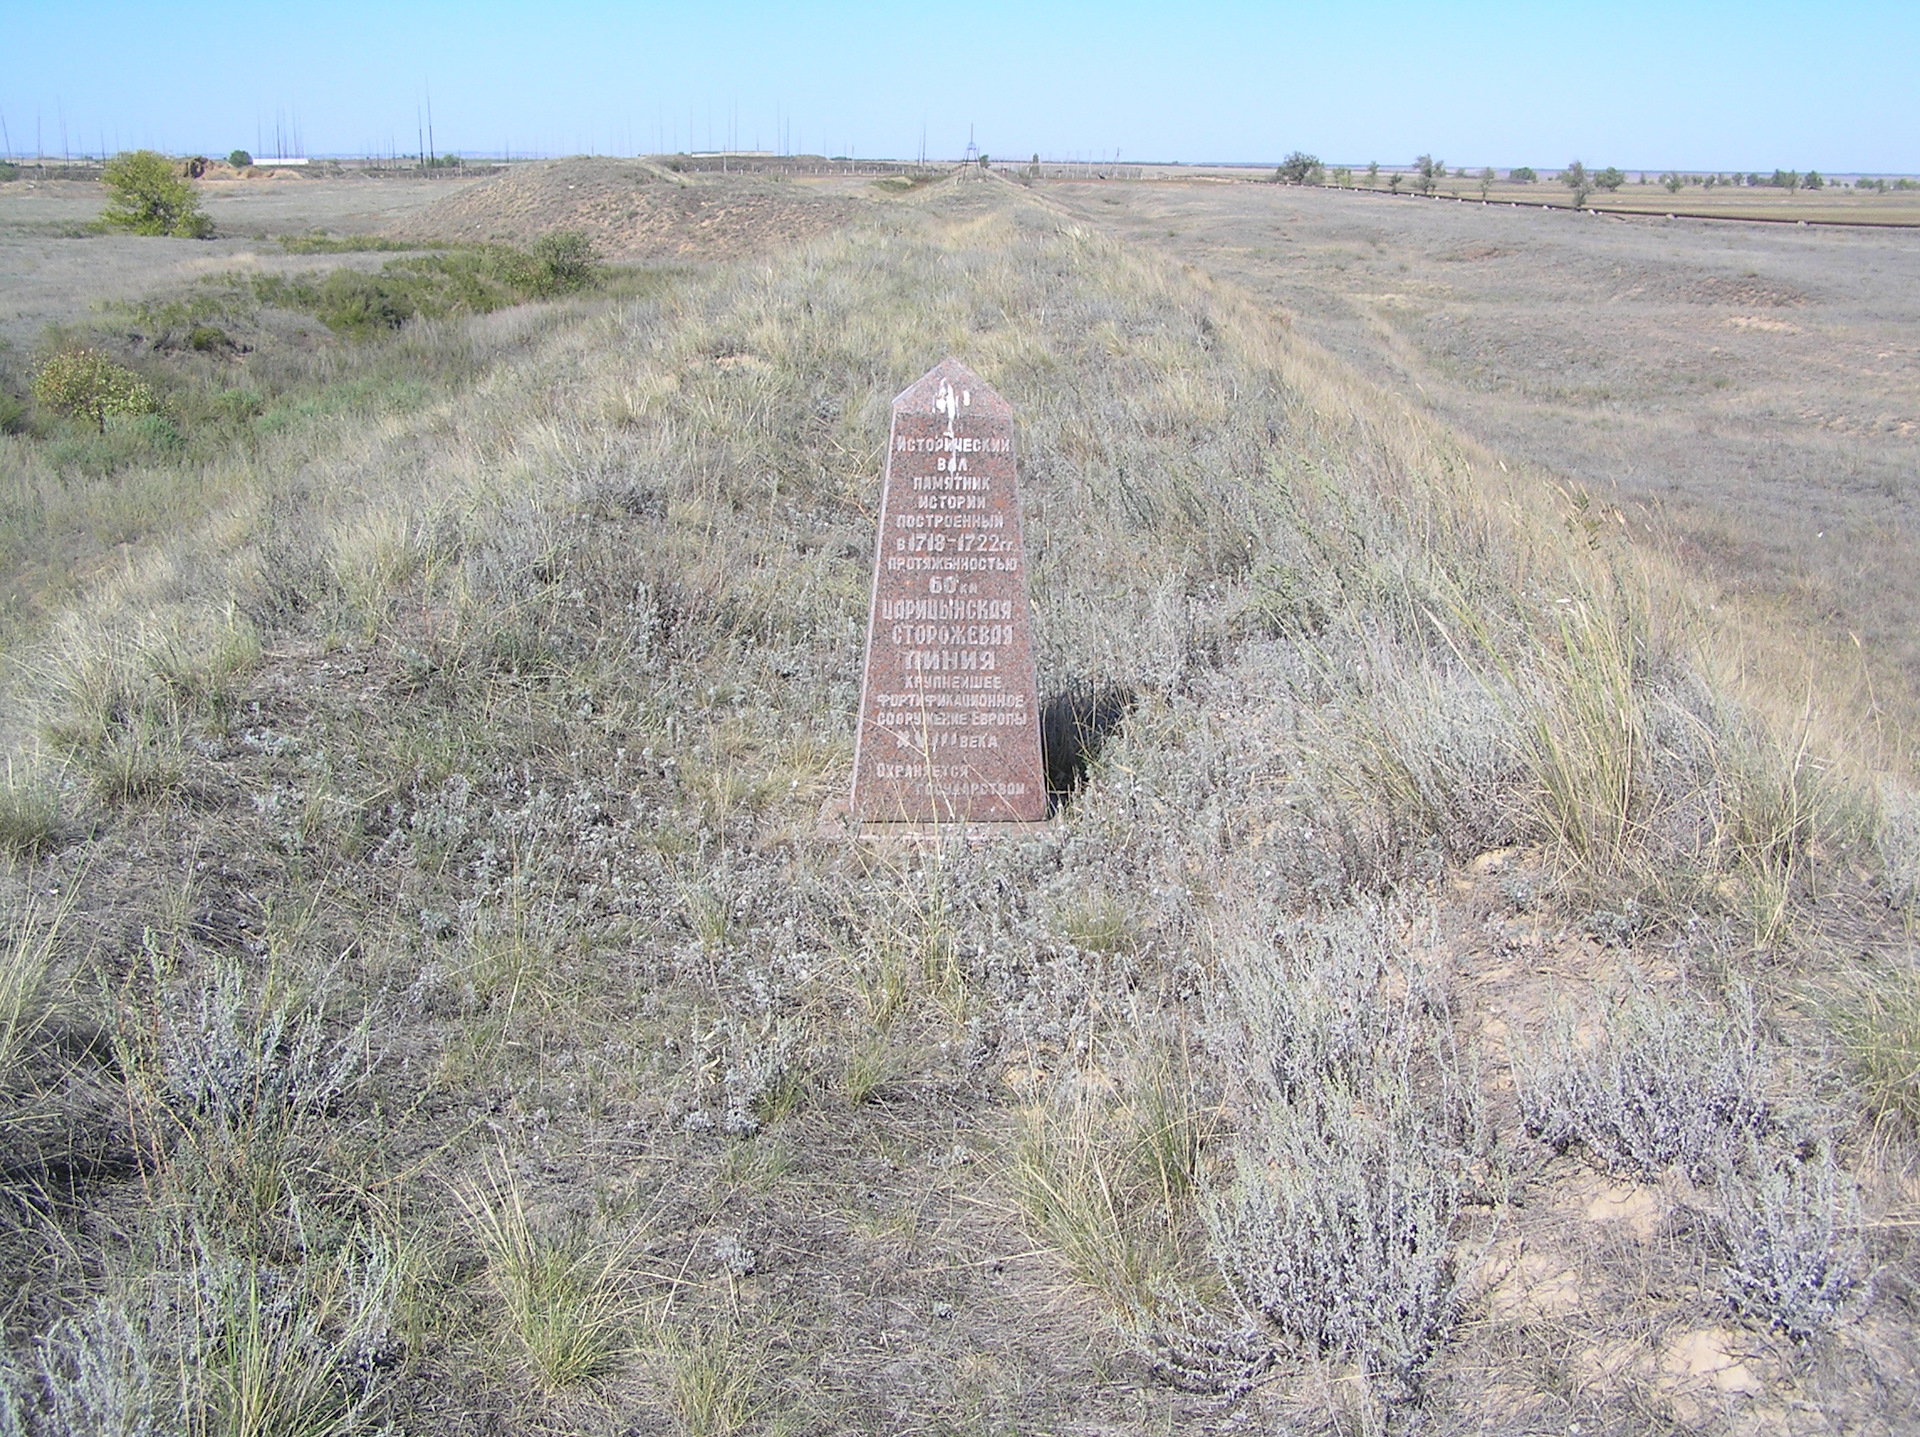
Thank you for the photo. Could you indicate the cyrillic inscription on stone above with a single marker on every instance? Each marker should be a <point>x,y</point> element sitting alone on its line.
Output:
<point>948,714</point>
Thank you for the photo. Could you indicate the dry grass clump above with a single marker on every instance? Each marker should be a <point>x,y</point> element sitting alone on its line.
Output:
<point>29,810</point>
<point>565,1300</point>
<point>1897,842</point>
<point>121,705</point>
<point>714,1377</point>
<point>1877,1017</point>
<point>1106,1174</point>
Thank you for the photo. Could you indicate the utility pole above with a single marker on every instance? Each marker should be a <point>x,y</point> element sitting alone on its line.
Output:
<point>429,127</point>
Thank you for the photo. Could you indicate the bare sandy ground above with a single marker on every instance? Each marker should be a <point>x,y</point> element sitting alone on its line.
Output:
<point>1754,387</point>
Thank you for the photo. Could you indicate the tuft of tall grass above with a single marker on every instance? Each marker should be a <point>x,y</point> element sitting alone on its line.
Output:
<point>714,1378</point>
<point>1071,1174</point>
<point>29,811</point>
<point>565,1299</point>
<point>1896,842</point>
<point>1589,736</point>
<point>1877,1017</point>
<point>119,702</point>
<point>26,998</point>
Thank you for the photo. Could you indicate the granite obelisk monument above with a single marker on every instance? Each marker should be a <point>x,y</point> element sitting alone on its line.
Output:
<point>949,721</point>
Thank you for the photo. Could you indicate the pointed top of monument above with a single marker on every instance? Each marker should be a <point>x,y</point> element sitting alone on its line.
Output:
<point>951,383</point>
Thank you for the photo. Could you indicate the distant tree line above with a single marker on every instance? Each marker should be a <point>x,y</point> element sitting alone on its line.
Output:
<point>1428,174</point>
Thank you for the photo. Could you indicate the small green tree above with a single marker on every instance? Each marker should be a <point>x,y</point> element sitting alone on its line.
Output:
<point>1610,179</point>
<point>85,384</point>
<point>1430,172</point>
<point>1576,178</point>
<point>1373,172</point>
<point>1297,168</point>
<point>1393,181</point>
<point>1522,175</point>
<point>1812,181</point>
<point>240,159</point>
<point>150,197</point>
<point>1486,181</point>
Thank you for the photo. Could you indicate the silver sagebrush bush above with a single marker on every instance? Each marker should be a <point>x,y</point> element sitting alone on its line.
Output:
<point>97,1377</point>
<point>1357,1148</point>
<point>232,1061</point>
<point>1661,1081</point>
<point>1791,1231</point>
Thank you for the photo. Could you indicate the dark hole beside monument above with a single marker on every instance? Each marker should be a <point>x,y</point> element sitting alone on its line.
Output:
<point>1075,723</point>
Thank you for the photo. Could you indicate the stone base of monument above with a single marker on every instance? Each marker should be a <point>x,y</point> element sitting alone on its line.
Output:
<point>837,823</point>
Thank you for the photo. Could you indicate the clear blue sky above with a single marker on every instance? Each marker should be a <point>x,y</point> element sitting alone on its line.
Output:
<point>1701,86</point>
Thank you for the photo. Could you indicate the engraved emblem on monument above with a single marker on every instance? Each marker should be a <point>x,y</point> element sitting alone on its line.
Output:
<point>949,726</point>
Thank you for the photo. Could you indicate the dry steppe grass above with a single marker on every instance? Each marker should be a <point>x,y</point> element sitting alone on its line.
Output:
<point>430,1005</point>
<point>1748,392</point>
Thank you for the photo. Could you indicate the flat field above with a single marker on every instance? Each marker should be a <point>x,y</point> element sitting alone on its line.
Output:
<point>53,272</point>
<point>1751,391</point>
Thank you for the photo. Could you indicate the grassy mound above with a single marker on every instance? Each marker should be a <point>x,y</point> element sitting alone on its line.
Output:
<point>433,1005</point>
<point>633,209</point>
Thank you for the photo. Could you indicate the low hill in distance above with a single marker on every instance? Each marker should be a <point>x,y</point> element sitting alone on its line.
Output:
<point>633,209</point>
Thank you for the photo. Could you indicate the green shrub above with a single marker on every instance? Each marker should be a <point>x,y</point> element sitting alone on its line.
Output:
<point>1577,178</point>
<point>563,262</point>
<point>150,197</point>
<point>8,171</point>
<point>320,243</point>
<point>359,304</point>
<point>13,413</point>
<point>84,383</point>
<point>474,279</point>
<point>1610,179</point>
<point>1524,175</point>
<point>240,159</point>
